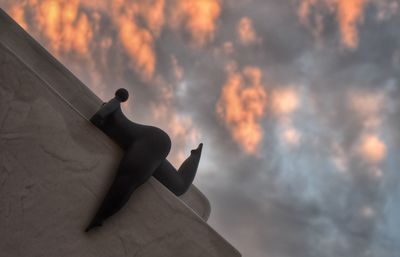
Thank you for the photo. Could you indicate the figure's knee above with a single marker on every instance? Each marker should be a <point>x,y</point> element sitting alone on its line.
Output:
<point>164,143</point>
<point>160,141</point>
<point>179,188</point>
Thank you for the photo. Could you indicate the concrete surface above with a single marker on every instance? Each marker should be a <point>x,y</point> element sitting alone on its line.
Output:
<point>55,167</point>
<point>69,88</point>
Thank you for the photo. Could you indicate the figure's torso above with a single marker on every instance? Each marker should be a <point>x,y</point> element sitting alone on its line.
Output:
<point>123,131</point>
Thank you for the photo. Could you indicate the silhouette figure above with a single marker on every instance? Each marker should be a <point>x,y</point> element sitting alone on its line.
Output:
<point>146,149</point>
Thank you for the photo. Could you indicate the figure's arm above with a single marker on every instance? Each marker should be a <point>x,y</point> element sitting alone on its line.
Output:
<point>106,109</point>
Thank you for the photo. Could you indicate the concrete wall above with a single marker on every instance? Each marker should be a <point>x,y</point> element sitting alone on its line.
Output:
<point>55,167</point>
<point>68,87</point>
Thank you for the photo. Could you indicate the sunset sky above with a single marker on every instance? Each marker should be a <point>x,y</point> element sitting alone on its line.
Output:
<point>297,103</point>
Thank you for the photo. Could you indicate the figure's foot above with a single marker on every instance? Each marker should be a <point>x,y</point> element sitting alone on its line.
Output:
<point>93,224</point>
<point>198,149</point>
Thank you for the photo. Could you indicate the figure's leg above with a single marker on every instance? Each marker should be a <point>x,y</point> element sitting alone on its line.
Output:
<point>169,177</point>
<point>136,167</point>
<point>179,181</point>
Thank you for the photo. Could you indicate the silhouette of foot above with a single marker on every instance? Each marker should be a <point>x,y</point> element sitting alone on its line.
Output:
<point>93,224</point>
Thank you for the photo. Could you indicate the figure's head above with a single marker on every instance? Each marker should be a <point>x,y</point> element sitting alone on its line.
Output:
<point>122,94</point>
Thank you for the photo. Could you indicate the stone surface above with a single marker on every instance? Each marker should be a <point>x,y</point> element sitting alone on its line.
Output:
<point>55,167</point>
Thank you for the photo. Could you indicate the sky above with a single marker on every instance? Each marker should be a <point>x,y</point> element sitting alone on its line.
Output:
<point>296,102</point>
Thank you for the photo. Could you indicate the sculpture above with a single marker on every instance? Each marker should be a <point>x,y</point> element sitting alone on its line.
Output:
<point>146,149</point>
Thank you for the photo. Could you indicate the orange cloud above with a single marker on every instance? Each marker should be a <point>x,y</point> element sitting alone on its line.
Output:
<point>63,26</point>
<point>68,26</point>
<point>138,41</point>
<point>18,13</point>
<point>312,20</point>
<point>65,29</point>
<point>242,105</point>
<point>284,101</point>
<point>349,14</point>
<point>372,148</point>
<point>152,11</point>
<point>246,32</point>
<point>198,18</point>
<point>368,106</point>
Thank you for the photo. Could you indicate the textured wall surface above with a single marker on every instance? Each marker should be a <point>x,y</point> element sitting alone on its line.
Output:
<point>68,87</point>
<point>55,168</point>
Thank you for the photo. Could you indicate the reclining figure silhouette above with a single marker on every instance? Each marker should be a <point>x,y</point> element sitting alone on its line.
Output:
<point>146,149</point>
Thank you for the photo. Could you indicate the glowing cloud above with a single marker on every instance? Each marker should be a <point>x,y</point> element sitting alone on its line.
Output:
<point>368,106</point>
<point>372,148</point>
<point>138,41</point>
<point>196,17</point>
<point>18,13</point>
<point>349,14</point>
<point>63,26</point>
<point>139,45</point>
<point>291,136</point>
<point>245,31</point>
<point>284,101</point>
<point>242,105</point>
<point>69,27</point>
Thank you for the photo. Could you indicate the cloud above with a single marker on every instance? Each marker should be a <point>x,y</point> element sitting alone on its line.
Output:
<point>372,148</point>
<point>369,106</point>
<point>246,32</point>
<point>198,18</point>
<point>349,16</point>
<point>178,70</point>
<point>65,28</point>
<point>291,136</point>
<point>242,106</point>
<point>284,101</point>
<point>18,14</point>
<point>138,40</point>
